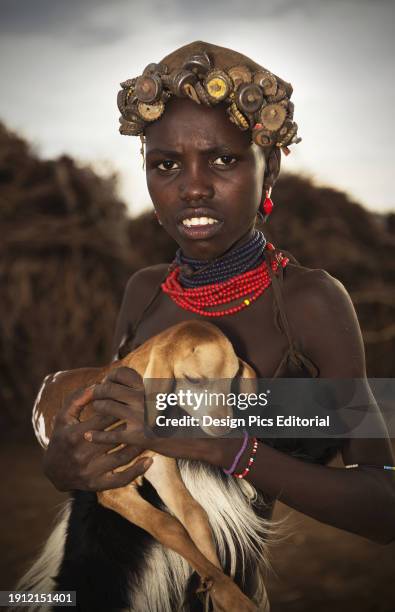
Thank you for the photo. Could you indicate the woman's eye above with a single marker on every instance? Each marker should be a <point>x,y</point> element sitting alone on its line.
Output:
<point>167,164</point>
<point>225,160</point>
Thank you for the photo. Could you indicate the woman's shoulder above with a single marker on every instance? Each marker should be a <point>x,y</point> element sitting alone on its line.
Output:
<point>146,278</point>
<point>140,288</point>
<point>313,295</point>
<point>139,291</point>
<point>305,284</point>
<point>323,320</point>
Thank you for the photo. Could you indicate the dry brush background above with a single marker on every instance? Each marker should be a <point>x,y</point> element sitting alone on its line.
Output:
<point>67,249</point>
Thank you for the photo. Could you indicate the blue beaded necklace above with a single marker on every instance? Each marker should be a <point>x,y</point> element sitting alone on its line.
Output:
<point>198,272</point>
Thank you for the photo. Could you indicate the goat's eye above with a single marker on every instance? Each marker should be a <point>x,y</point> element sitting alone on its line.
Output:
<point>192,380</point>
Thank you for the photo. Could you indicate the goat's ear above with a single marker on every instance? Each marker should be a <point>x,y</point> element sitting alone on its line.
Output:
<point>158,378</point>
<point>245,370</point>
<point>247,378</point>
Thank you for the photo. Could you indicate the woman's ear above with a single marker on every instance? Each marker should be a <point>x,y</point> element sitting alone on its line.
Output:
<point>273,163</point>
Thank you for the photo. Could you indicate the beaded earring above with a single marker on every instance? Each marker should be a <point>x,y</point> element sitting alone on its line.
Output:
<point>267,205</point>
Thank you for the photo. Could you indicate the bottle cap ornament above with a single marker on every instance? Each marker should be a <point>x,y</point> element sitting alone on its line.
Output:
<point>267,82</point>
<point>273,116</point>
<point>180,81</point>
<point>239,75</point>
<point>198,63</point>
<point>261,136</point>
<point>218,85</point>
<point>148,88</point>
<point>255,98</point>
<point>249,97</point>
<point>150,112</point>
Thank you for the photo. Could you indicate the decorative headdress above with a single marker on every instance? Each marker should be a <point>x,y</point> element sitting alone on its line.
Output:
<point>256,98</point>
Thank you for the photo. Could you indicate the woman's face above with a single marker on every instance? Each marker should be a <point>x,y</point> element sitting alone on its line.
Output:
<point>204,176</point>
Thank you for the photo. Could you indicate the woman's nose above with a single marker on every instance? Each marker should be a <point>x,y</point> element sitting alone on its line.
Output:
<point>196,185</point>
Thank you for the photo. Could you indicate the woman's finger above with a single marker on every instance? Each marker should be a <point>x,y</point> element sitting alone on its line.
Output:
<point>112,408</point>
<point>74,405</point>
<point>117,436</point>
<point>126,376</point>
<point>118,392</point>
<point>121,479</point>
<point>96,421</point>
<point>108,462</point>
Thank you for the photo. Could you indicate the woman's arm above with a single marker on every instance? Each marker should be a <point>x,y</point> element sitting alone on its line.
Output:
<point>359,500</point>
<point>70,462</point>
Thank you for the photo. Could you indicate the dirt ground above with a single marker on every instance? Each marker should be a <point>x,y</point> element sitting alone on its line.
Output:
<point>317,569</point>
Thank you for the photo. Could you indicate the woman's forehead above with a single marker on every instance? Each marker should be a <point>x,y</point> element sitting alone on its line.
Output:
<point>186,123</point>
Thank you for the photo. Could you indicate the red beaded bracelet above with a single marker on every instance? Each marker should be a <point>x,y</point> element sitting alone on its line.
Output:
<point>251,460</point>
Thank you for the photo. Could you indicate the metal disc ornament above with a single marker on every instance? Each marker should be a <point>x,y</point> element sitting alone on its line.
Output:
<point>237,117</point>
<point>131,114</point>
<point>202,94</point>
<point>150,112</point>
<point>155,68</point>
<point>249,98</point>
<point>148,88</point>
<point>240,75</point>
<point>218,85</point>
<point>180,79</point>
<point>286,137</point>
<point>262,137</point>
<point>273,116</point>
<point>122,100</point>
<point>128,83</point>
<point>279,95</point>
<point>190,91</point>
<point>198,64</point>
<point>267,81</point>
<point>288,125</point>
<point>130,128</point>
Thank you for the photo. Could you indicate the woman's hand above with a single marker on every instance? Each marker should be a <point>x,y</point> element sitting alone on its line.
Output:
<point>121,397</point>
<point>71,462</point>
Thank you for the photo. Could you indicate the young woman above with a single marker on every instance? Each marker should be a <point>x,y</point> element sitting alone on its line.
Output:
<point>214,124</point>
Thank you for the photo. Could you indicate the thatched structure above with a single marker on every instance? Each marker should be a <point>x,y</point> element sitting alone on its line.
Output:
<point>64,262</point>
<point>68,248</point>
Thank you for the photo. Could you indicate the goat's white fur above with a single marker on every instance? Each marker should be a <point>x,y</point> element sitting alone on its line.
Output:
<point>39,578</point>
<point>38,421</point>
<point>236,529</point>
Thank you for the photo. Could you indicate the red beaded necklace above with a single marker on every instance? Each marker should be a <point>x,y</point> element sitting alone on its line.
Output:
<point>246,287</point>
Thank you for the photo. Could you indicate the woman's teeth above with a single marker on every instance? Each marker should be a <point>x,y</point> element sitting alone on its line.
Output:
<point>199,221</point>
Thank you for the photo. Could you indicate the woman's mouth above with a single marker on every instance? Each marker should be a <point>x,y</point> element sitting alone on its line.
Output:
<point>198,228</point>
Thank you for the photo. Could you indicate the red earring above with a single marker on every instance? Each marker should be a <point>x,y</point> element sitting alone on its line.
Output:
<point>267,205</point>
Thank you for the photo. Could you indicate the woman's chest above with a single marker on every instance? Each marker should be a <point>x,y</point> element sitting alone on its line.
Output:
<point>252,332</point>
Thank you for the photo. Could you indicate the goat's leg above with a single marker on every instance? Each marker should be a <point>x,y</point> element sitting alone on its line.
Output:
<point>165,477</point>
<point>165,528</point>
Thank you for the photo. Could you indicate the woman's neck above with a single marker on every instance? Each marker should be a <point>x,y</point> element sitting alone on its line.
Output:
<point>245,254</point>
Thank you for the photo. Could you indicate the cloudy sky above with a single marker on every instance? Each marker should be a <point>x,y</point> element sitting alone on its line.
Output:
<point>61,62</point>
